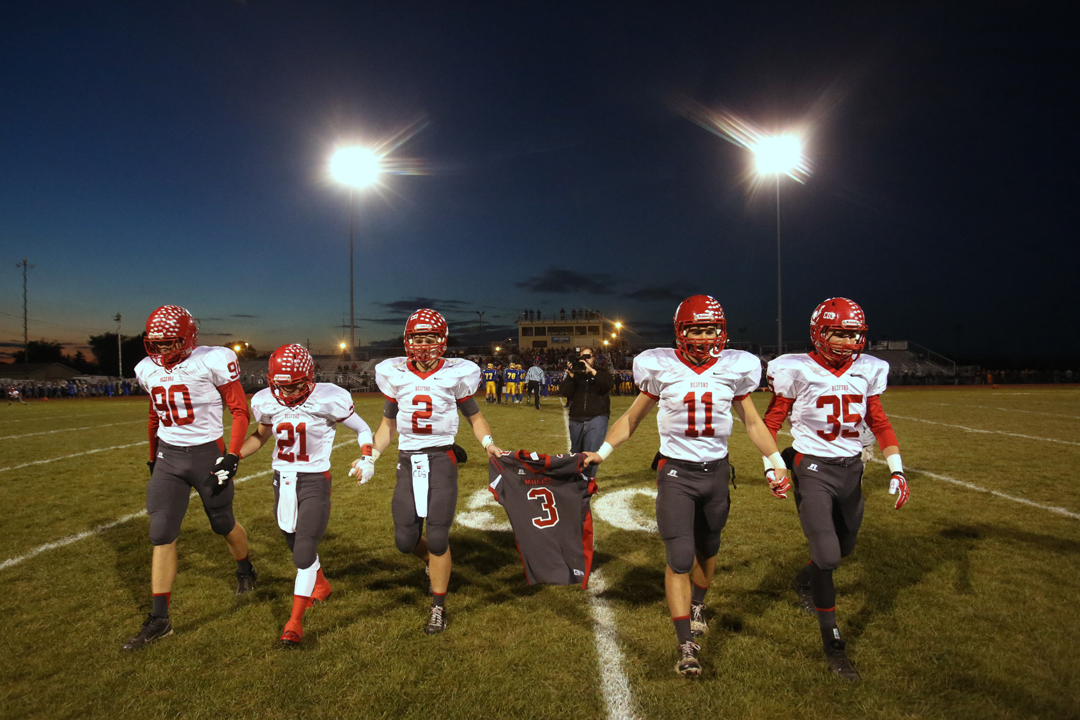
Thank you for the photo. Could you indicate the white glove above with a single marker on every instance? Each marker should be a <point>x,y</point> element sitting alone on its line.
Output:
<point>363,468</point>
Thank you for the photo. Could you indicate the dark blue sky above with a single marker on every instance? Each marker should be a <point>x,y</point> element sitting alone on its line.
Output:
<point>159,153</point>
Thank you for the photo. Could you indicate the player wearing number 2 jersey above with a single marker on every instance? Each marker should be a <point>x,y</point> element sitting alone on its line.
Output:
<point>302,416</point>
<point>695,388</point>
<point>831,394</point>
<point>424,393</point>
<point>188,386</point>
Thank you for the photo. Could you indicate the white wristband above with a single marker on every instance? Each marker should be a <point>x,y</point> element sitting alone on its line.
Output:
<point>486,441</point>
<point>777,461</point>
<point>894,464</point>
<point>767,463</point>
<point>375,454</point>
<point>605,450</point>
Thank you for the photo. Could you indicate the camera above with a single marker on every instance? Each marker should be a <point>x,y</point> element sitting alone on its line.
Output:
<point>578,366</point>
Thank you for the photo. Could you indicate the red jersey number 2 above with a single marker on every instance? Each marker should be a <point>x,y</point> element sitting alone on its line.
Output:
<point>424,414</point>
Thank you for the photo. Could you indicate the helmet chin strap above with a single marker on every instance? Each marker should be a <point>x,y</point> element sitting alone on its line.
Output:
<point>715,352</point>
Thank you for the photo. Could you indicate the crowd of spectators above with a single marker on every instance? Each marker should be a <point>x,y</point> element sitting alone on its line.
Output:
<point>75,388</point>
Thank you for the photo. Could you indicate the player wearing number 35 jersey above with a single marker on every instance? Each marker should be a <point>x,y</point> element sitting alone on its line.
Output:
<point>831,394</point>
<point>424,393</point>
<point>695,387</point>
<point>302,416</point>
<point>188,387</point>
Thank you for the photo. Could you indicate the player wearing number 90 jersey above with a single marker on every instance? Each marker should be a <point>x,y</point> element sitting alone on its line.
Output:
<point>302,416</point>
<point>831,394</point>
<point>188,386</point>
<point>696,387</point>
<point>424,393</point>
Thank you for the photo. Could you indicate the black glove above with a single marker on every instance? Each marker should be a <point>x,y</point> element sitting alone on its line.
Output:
<point>225,468</point>
<point>150,464</point>
<point>459,453</point>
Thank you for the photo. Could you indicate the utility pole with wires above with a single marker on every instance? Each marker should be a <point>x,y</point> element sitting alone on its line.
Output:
<point>119,347</point>
<point>26,339</point>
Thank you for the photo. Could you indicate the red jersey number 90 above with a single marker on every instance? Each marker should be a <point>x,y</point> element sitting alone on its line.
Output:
<point>173,405</point>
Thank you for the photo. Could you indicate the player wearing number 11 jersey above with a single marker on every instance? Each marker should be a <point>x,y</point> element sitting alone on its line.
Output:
<point>831,394</point>
<point>188,386</point>
<point>303,416</point>
<point>696,387</point>
<point>424,393</point>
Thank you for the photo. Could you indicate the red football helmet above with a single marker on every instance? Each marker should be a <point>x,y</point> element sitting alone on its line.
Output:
<point>171,333</point>
<point>838,314</point>
<point>425,322</point>
<point>700,310</point>
<point>291,366</point>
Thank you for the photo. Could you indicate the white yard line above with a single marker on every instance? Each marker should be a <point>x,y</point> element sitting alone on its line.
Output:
<point>64,430</point>
<point>1031,412</point>
<point>986,432</point>
<point>614,685</point>
<point>63,417</point>
<point>73,455</point>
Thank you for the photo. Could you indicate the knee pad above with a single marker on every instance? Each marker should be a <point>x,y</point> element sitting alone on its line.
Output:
<point>406,538</point>
<point>680,554</point>
<point>438,540</point>
<point>304,553</point>
<point>222,521</point>
<point>162,532</point>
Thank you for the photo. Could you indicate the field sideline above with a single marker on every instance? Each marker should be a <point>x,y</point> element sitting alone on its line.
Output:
<point>957,606</point>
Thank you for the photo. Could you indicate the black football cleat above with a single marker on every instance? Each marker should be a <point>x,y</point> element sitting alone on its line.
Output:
<point>245,581</point>
<point>839,663</point>
<point>153,629</point>
<point>688,665</point>
<point>805,597</point>
<point>437,623</point>
<point>698,625</point>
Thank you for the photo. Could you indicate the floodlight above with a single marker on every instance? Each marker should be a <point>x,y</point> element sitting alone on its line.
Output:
<point>778,155</point>
<point>356,167</point>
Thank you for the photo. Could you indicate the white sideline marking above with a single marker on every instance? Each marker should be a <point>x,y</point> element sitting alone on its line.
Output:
<point>11,562</point>
<point>614,685</point>
<point>73,455</point>
<point>62,417</point>
<point>64,430</point>
<point>1032,412</point>
<point>972,486</point>
<point>987,432</point>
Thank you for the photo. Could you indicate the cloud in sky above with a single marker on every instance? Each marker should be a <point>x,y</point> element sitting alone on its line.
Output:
<point>555,280</point>
<point>655,293</point>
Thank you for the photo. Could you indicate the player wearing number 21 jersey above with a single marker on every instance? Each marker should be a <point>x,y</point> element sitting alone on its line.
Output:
<point>424,393</point>
<point>695,388</point>
<point>188,387</point>
<point>302,416</point>
<point>831,394</point>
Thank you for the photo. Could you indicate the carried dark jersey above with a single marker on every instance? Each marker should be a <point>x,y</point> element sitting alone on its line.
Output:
<point>546,498</point>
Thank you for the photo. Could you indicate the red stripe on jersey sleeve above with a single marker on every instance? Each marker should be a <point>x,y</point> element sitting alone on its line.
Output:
<point>654,397</point>
<point>777,412</point>
<point>587,546</point>
<point>740,398</point>
<point>879,423</point>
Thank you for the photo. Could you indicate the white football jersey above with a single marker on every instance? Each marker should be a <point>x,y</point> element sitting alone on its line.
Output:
<point>427,402</point>
<point>830,408</point>
<point>694,402</point>
<point>305,433</point>
<point>186,398</point>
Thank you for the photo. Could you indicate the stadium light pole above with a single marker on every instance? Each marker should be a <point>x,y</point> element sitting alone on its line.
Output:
<point>778,155</point>
<point>119,347</point>
<point>356,168</point>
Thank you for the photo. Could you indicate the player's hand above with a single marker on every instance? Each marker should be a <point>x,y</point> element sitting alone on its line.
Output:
<point>592,458</point>
<point>899,483</point>
<point>778,483</point>
<point>493,450</point>
<point>225,468</point>
<point>362,468</point>
<point>150,464</point>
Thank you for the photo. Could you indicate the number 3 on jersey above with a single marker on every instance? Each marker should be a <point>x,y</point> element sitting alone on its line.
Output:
<point>547,504</point>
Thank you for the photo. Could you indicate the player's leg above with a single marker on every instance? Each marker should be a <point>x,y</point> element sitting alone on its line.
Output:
<point>408,526</point>
<point>443,490</point>
<point>312,516</point>
<point>166,503</point>
<point>710,518</point>
<point>217,502</point>
<point>674,513</point>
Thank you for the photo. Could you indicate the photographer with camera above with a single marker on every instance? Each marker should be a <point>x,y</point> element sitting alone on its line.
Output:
<point>586,389</point>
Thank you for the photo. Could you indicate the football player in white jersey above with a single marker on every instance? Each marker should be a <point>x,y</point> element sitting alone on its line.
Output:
<point>188,386</point>
<point>695,387</point>
<point>424,393</point>
<point>302,416</point>
<point>830,394</point>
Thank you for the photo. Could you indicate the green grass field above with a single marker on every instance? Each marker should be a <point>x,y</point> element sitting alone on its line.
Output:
<point>960,605</point>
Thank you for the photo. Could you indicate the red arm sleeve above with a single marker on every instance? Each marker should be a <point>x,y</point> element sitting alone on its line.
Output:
<point>151,426</point>
<point>879,423</point>
<point>233,395</point>
<point>776,413</point>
